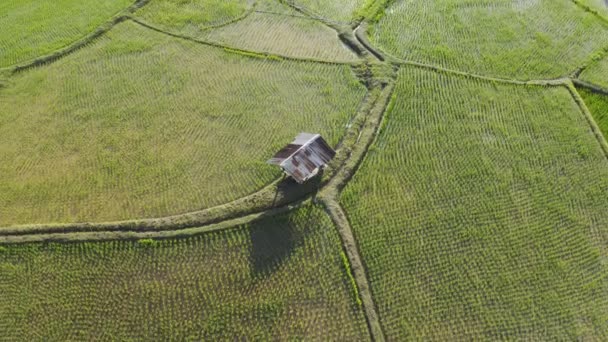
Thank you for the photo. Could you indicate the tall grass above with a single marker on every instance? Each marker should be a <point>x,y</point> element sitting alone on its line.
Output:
<point>276,279</point>
<point>33,28</point>
<point>503,38</point>
<point>480,213</point>
<point>140,124</point>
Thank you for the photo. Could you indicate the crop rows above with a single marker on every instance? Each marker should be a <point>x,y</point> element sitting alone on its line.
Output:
<point>598,106</point>
<point>480,213</point>
<point>600,6</point>
<point>140,124</point>
<point>597,73</point>
<point>337,10</point>
<point>32,28</point>
<point>502,38</point>
<point>278,278</point>
<point>192,16</point>
<point>287,35</point>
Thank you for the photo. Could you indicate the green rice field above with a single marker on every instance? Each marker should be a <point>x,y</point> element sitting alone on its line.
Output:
<point>502,38</point>
<point>598,106</point>
<point>467,199</point>
<point>485,218</point>
<point>140,124</point>
<point>32,28</point>
<point>274,279</point>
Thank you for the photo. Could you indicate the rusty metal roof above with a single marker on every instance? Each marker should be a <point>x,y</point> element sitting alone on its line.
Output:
<point>304,157</point>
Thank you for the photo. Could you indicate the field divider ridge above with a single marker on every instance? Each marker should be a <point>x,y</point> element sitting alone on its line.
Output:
<point>590,10</point>
<point>79,43</point>
<point>97,236</point>
<point>329,197</point>
<point>593,87</point>
<point>588,116</point>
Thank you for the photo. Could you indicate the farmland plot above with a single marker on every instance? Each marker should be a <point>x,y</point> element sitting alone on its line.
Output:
<point>274,279</point>
<point>480,213</point>
<point>140,124</point>
<point>33,28</point>
<point>336,10</point>
<point>597,73</point>
<point>286,35</point>
<point>601,6</point>
<point>598,106</point>
<point>519,39</point>
<point>192,16</point>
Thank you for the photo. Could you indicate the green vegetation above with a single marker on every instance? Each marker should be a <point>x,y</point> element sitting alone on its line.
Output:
<point>597,73</point>
<point>33,28</point>
<point>192,16</point>
<point>598,106</point>
<point>596,6</point>
<point>337,10</point>
<point>287,35</point>
<point>275,279</point>
<point>500,38</point>
<point>480,213</point>
<point>140,124</point>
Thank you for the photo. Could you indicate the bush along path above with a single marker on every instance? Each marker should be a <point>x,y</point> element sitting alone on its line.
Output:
<point>377,72</point>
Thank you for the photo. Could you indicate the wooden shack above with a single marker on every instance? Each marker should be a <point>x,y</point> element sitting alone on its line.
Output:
<point>304,157</point>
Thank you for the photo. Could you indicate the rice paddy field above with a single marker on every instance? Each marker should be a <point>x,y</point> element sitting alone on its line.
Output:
<point>143,125</point>
<point>485,218</point>
<point>32,28</point>
<point>467,200</point>
<point>274,279</point>
<point>598,106</point>
<point>283,35</point>
<point>597,73</point>
<point>515,39</point>
<point>338,10</point>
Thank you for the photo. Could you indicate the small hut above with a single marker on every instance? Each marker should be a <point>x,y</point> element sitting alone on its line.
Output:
<point>304,157</point>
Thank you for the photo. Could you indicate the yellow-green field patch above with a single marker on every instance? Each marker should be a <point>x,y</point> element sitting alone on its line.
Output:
<point>140,124</point>
<point>33,28</point>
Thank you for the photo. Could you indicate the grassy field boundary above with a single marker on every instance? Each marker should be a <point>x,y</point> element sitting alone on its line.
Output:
<point>78,44</point>
<point>591,10</point>
<point>98,236</point>
<point>328,196</point>
<point>362,38</point>
<point>588,116</point>
<point>358,270</point>
<point>594,88</point>
<point>596,58</point>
